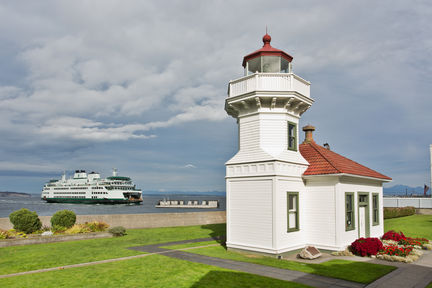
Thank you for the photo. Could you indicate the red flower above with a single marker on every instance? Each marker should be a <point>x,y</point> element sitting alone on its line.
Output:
<point>366,246</point>
<point>392,235</point>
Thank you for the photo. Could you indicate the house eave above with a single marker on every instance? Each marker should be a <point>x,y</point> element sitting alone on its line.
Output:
<point>347,175</point>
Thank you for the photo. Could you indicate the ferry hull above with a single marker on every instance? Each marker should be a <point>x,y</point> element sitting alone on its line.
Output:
<point>93,201</point>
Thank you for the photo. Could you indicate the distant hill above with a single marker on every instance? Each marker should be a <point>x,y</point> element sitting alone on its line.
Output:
<point>404,190</point>
<point>13,194</point>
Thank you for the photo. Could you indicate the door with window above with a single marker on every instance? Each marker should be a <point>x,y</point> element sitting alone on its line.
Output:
<point>363,215</point>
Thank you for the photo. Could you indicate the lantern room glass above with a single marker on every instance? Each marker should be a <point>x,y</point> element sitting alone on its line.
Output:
<point>267,64</point>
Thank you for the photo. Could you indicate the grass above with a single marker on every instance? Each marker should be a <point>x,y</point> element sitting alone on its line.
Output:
<point>31,257</point>
<point>150,271</point>
<point>342,269</point>
<point>161,271</point>
<point>429,286</point>
<point>413,226</point>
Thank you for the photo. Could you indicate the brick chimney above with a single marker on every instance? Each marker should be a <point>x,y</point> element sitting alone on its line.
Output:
<point>308,134</point>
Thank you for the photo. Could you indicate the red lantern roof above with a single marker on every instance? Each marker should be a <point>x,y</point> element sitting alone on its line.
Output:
<point>267,50</point>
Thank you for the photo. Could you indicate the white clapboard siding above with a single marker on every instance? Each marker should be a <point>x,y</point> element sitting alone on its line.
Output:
<point>273,136</point>
<point>320,211</point>
<point>286,241</point>
<point>344,238</point>
<point>250,212</point>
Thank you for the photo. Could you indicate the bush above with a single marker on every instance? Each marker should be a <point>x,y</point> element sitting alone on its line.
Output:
<point>4,234</point>
<point>25,220</point>
<point>398,212</point>
<point>117,231</point>
<point>78,228</point>
<point>392,235</point>
<point>96,226</point>
<point>63,218</point>
<point>366,246</point>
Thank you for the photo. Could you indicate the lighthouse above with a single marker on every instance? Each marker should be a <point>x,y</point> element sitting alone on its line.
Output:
<point>264,178</point>
<point>283,194</point>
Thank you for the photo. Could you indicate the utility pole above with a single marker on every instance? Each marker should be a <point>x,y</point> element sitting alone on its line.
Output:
<point>430,153</point>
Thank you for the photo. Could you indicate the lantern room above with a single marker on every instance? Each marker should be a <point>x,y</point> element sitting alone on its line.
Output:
<point>267,60</point>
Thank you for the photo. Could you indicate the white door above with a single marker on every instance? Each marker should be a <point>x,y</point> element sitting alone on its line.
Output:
<point>362,222</point>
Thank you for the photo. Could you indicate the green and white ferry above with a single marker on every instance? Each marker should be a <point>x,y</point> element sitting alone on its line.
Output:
<point>90,188</point>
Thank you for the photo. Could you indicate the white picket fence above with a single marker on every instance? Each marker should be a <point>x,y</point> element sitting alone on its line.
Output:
<point>403,202</point>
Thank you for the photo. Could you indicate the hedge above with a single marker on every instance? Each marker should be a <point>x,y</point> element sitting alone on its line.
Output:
<point>398,212</point>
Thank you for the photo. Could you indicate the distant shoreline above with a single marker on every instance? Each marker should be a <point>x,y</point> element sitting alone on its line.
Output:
<point>16,194</point>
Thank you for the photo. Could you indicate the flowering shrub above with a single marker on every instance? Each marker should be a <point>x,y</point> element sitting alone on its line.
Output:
<point>78,228</point>
<point>392,235</point>
<point>4,234</point>
<point>393,250</point>
<point>421,240</point>
<point>11,234</point>
<point>87,227</point>
<point>97,226</point>
<point>409,242</point>
<point>366,246</point>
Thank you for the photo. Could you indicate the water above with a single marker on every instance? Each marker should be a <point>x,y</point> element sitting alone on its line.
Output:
<point>34,203</point>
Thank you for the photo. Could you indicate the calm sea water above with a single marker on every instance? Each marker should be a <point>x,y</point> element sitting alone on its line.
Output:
<point>34,203</point>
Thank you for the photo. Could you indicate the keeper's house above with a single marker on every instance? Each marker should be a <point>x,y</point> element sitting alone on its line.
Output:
<point>282,195</point>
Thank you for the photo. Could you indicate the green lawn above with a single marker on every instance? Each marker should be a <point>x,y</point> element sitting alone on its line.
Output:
<point>342,269</point>
<point>161,271</point>
<point>413,226</point>
<point>150,271</point>
<point>32,257</point>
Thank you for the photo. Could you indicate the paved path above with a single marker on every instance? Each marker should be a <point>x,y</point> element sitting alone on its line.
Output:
<point>414,275</point>
<point>267,271</point>
<point>417,275</point>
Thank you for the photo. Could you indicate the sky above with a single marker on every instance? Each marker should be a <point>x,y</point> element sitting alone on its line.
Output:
<point>140,85</point>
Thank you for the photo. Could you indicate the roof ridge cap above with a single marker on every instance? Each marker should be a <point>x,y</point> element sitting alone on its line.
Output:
<point>328,161</point>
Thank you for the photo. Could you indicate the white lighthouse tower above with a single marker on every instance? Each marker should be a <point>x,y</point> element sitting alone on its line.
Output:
<point>264,179</point>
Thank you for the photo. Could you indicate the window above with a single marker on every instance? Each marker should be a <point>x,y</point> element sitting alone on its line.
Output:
<point>293,211</point>
<point>349,211</point>
<point>375,209</point>
<point>292,136</point>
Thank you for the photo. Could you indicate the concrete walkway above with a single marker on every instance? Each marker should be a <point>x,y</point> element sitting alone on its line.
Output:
<point>267,271</point>
<point>417,275</point>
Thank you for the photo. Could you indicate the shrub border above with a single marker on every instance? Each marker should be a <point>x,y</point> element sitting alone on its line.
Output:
<point>54,238</point>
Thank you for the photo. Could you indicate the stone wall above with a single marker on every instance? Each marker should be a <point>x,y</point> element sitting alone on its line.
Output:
<point>149,220</point>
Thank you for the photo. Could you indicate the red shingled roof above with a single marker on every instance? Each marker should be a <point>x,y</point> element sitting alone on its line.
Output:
<point>323,161</point>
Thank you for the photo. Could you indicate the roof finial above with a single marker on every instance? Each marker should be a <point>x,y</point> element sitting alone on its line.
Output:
<point>266,39</point>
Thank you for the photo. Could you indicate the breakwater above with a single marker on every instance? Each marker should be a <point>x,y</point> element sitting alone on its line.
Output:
<point>147,220</point>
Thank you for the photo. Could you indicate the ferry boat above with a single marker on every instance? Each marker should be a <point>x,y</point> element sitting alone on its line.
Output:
<point>90,188</point>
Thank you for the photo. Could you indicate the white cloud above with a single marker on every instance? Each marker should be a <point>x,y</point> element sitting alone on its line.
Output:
<point>189,166</point>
